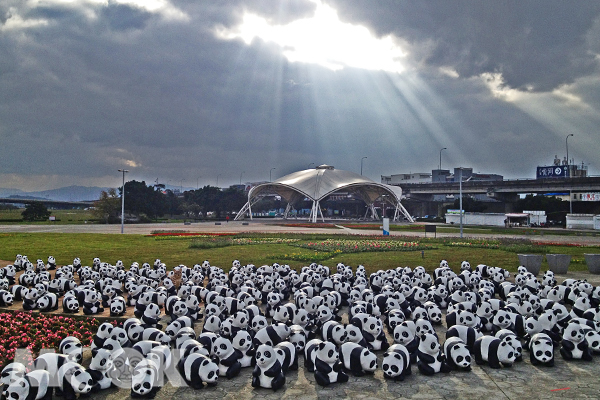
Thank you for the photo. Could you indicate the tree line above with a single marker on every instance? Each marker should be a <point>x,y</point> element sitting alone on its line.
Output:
<point>148,203</point>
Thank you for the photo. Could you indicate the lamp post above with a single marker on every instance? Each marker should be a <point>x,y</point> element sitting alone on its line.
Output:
<point>124,171</point>
<point>567,145</point>
<point>271,170</point>
<point>218,180</point>
<point>241,177</point>
<point>361,164</point>
<point>444,148</point>
<point>460,202</point>
<point>181,186</point>
<point>197,182</point>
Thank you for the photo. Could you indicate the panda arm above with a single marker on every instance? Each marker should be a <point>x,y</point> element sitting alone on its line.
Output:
<point>274,370</point>
<point>256,371</point>
<point>229,361</point>
<point>568,345</point>
<point>322,366</point>
<point>426,358</point>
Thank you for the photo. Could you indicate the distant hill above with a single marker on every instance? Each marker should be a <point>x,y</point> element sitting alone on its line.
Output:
<point>69,193</point>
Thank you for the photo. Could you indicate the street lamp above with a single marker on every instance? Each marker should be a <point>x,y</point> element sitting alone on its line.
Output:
<point>567,145</point>
<point>445,148</point>
<point>271,170</point>
<point>218,180</point>
<point>197,184</point>
<point>124,171</point>
<point>460,202</point>
<point>241,177</point>
<point>361,164</point>
<point>181,186</point>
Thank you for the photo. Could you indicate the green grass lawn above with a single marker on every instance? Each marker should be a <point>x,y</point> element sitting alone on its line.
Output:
<point>129,248</point>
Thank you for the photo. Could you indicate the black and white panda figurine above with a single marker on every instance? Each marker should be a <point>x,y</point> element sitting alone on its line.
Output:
<point>494,351</point>
<point>71,347</point>
<point>30,300</point>
<point>328,368</point>
<point>197,369</point>
<point>118,306</point>
<point>70,304</point>
<point>227,357</point>
<point>101,368</point>
<point>334,332</point>
<point>91,303</point>
<point>511,338</point>
<point>175,326</point>
<point>405,334</point>
<point>242,341</point>
<point>11,373</point>
<point>467,334</point>
<point>272,334</point>
<point>73,379</point>
<point>288,357</point>
<point>541,350</point>
<point>134,329</point>
<point>33,386</point>
<point>573,345</point>
<point>457,354</point>
<point>430,359</point>
<point>6,298</point>
<point>357,359</point>
<point>48,302</point>
<point>298,337</point>
<point>145,379</point>
<point>151,316</point>
<point>396,362</point>
<point>104,332</point>
<point>267,371</point>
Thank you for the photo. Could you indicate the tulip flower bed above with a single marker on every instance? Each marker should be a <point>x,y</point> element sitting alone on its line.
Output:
<point>360,246</point>
<point>307,257</point>
<point>35,331</point>
<point>266,240</point>
<point>477,245</point>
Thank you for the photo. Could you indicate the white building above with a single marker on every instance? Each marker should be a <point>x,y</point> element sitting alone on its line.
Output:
<point>413,177</point>
<point>583,221</point>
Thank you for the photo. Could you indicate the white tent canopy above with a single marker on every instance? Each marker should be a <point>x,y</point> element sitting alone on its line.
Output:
<point>319,183</point>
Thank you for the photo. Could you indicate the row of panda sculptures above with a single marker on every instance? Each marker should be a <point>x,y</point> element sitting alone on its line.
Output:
<point>266,317</point>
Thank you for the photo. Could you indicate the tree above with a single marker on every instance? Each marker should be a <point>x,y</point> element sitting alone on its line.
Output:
<point>35,211</point>
<point>107,208</point>
<point>142,199</point>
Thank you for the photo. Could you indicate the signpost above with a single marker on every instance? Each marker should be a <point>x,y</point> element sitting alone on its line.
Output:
<point>386,227</point>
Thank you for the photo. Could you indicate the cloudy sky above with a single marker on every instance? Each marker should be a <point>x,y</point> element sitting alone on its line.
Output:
<point>188,92</point>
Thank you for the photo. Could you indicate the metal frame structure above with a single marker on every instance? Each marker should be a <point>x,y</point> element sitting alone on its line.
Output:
<point>319,183</point>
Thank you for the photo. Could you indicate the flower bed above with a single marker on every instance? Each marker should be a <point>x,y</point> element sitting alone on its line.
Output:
<point>35,331</point>
<point>359,246</point>
<point>316,257</point>
<point>247,241</point>
<point>478,245</point>
<point>310,225</point>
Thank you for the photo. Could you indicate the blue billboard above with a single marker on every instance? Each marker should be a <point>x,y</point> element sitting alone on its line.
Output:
<point>554,171</point>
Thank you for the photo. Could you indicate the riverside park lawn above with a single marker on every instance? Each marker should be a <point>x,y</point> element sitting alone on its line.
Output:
<point>297,250</point>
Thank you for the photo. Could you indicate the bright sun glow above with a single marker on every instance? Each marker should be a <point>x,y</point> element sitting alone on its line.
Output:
<point>324,40</point>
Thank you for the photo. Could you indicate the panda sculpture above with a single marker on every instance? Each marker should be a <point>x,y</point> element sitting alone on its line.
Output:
<point>6,298</point>
<point>48,302</point>
<point>101,369</point>
<point>197,369</point>
<point>573,344</point>
<point>405,334</point>
<point>287,355</point>
<point>272,334</point>
<point>71,347</point>
<point>357,359</point>
<point>242,341</point>
<point>33,386</point>
<point>174,327</point>
<point>73,379</point>
<point>511,338</point>
<point>70,304</point>
<point>11,373</point>
<point>494,351</point>
<point>227,357</point>
<point>541,350</point>
<point>396,362</point>
<point>145,379</point>
<point>457,354</point>
<point>430,359</point>
<point>267,371</point>
<point>327,366</point>
<point>117,306</point>
<point>334,332</point>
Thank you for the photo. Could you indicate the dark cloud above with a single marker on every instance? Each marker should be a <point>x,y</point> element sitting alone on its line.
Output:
<point>159,92</point>
<point>537,45</point>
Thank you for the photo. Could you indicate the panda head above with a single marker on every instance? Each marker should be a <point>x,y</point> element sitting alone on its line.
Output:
<point>240,319</point>
<point>71,303</point>
<point>101,360</point>
<point>208,370</point>
<point>104,330</point>
<point>11,373</point>
<point>574,333</point>
<point>423,326</point>
<point>404,333</point>
<point>17,390</point>
<point>152,311</point>
<point>265,356</point>
<point>460,355</point>
<point>593,339</point>
<point>192,302</point>
<point>259,322</point>
<point>281,314</point>
<point>226,327</point>
<point>298,337</point>
<point>144,377</point>
<point>222,347</point>
<point>339,334</point>
<point>419,313</point>
<point>393,364</point>
<point>7,298</point>
<point>368,360</point>
<point>541,347</point>
<point>327,352</point>
<point>119,334</point>
<point>179,308</point>
<point>429,344</point>
<point>242,341</point>
<point>79,378</point>
<point>71,347</point>
<point>117,306</point>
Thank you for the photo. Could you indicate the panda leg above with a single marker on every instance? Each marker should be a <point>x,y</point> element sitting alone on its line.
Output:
<point>342,377</point>
<point>587,355</point>
<point>278,382</point>
<point>234,370</point>
<point>48,395</point>
<point>321,378</point>
<point>566,354</point>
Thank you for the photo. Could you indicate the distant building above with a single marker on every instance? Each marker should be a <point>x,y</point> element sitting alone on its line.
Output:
<point>413,177</point>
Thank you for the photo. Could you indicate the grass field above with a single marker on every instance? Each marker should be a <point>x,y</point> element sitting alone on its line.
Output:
<point>62,217</point>
<point>174,250</point>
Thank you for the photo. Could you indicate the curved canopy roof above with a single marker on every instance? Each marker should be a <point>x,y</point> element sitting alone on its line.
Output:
<point>318,183</point>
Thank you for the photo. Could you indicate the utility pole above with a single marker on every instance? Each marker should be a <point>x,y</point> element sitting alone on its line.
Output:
<point>124,171</point>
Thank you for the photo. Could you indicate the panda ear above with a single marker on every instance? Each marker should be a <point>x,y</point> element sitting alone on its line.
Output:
<point>94,352</point>
<point>321,345</point>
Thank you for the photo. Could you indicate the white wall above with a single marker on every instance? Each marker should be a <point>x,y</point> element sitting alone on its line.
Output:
<point>477,219</point>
